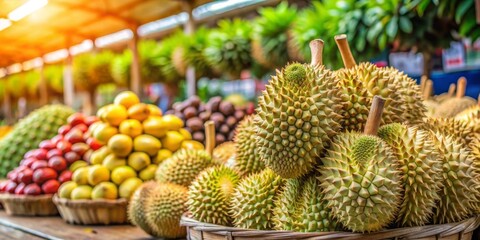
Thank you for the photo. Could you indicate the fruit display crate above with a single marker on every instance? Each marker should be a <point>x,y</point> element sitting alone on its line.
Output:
<point>464,230</point>
<point>25,205</point>
<point>91,212</point>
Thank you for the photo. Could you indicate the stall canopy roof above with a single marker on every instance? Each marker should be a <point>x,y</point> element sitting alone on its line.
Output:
<point>64,23</point>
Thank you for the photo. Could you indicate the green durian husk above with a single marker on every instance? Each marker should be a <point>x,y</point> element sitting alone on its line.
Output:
<point>136,207</point>
<point>248,159</point>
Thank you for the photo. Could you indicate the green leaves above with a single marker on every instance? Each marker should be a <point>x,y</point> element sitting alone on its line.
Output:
<point>405,24</point>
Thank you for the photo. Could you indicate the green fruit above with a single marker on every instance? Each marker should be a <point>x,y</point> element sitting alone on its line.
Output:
<point>65,190</point>
<point>210,194</point>
<point>361,182</point>
<point>136,207</point>
<point>252,202</point>
<point>138,160</point>
<point>296,118</point>
<point>81,192</point>
<point>105,190</point>
<point>286,205</point>
<point>99,155</point>
<point>247,157</point>
<point>122,173</point>
<point>183,167</point>
<point>98,174</point>
<point>164,207</point>
<point>148,173</point>
<point>462,130</point>
<point>128,187</point>
<point>421,172</point>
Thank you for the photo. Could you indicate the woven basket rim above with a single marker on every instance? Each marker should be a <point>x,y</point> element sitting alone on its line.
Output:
<point>89,203</point>
<point>438,230</point>
<point>9,196</point>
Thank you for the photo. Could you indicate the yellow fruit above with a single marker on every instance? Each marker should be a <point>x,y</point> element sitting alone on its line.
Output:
<point>103,132</point>
<point>128,187</point>
<point>126,98</point>
<point>112,161</point>
<point>172,141</point>
<point>94,126</point>
<point>115,114</point>
<point>105,190</point>
<point>121,145</point>
<point>98,174</point>
<point>192,144</point>
<point>101,112</point>
<point>162,155</point>
<point>139,111</point>
<point>154,110</point>
<point>186,134</point>
<point>148,173</point>
<point>76,165</point>
<point>65,190</point>
<point>120,174</point>
<point>80,176</point>
<point>81,192</point>
<point>131,127</point>
<point>147,144</point>
<point>99,155</point>
<point>173,122</point>
<point>155,126</point>
<point>138,160</point>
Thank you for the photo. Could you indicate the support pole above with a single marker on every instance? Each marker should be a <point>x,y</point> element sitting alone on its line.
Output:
<point>136,78</point>
<point>43,86</point>
<point>68,89</point>
<point>189,29</point>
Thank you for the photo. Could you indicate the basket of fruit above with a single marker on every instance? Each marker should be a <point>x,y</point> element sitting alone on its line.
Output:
<point>29,205</point>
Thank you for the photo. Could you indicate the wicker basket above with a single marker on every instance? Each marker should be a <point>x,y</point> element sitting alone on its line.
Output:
<point>461,230</point>
<point>26,205</point>
<point>92,212</point>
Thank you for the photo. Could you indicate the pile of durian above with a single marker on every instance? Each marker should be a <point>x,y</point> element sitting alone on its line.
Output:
<point>346,150</point>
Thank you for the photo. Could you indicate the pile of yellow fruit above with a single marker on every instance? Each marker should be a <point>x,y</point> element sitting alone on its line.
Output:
<point>136,139</point>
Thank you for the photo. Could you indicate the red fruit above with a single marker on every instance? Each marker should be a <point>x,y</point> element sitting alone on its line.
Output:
<point>94,144</point>
<point>82,127</point>
<point>3,185</point>
<point>65,176</point>
<point>32,189</point>
<point>10,188</point>
<point>72,157</point>
<point>50,186</point>
<point>64,129</point>
<point>25,176</point>
<point>74,136</point>
<point>80,148</point>
<point>20,188</point>
<point>28,161</point>
<point>47,145</point>
<point>86,156</point>
<point>76,118</point>
<point>57,163</point>
<point>65,146</point>
<point>29,154</point>
<point>13,175</point>
<point>56,139</point>
<point>40,154</point>
<point>43,174</point>
<point>20,168</point>
<point>54,152</point>
<point>39,164</point>
<point>91,119</point>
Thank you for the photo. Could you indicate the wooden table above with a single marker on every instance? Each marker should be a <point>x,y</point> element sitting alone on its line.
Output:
<point>26,228</point>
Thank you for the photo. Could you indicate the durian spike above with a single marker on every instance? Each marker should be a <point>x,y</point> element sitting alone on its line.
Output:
<point>427,92</point>
<point>344,49</point>
<point>316,48</point>
<point>423,81</point>
<point>209,137</point>
<point>451,90</point>
<point>374,116</point>
<point>461,86</point>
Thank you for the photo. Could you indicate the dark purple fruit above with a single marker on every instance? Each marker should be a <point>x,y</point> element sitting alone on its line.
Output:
<point>205,116</point>
<point>198,136</point>
<point>227,108</point>
<point>225,129</point>
<point>190,112</point>
<point>239,114</point>
<point>231,121</point>
<point>195,124</point>
<point>180,115</point>
<point>231,135</point>
<point>195,101</point>
<point>217,117</point>
<point>219,139</point>
<point>213,104</point>
<point>202,108</point>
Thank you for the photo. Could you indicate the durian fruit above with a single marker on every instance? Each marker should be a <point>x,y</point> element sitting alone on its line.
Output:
<point>460,194</point>
<point>471,116</point>
<point>430,104</point>
<point>360,177</point>
<point>136,211</point>
<point>210,194</point>
<point>363,81</point>
<point>223,152</point>
<point>252,202</point>
<point>286,205</point>
<point>164,207</point>
<point>421,169</point>
<point>248,159</point>
<point>39,125</point>
<point>450,126</point>
<point>453,106</point>
<point>296,116</point>
<point>445,96</point>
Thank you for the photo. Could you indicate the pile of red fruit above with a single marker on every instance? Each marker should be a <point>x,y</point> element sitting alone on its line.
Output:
<point>43,170</point>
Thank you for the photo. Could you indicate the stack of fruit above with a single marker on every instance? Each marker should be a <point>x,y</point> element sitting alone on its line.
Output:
<point>224,114</point>
<point>42,170</point>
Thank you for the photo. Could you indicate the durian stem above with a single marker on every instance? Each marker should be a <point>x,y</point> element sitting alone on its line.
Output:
<point>461,86</point>
<point>209,137</point>
<point>374,116</point>
<point>344,49</point>
<point>316,48</point>
<point>451,90</point>
<point>427,92</point>
<point>423,81</point>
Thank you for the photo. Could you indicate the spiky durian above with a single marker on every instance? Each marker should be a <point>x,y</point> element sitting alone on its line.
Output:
<point>471,116</point>
<point>210,194</point>
<point>297,115</point>
<point>223,152</point>
<point>286,205</point>
<point>361,182</point>
<point>453,106</point>
<point>164,208</point>
<point>183,166</point>
<point>451,126</point>
<point>136,209</point>
<point>247,159</point>
<point>252,203</point>
<point>421,172</point>
<point>460,194</point>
